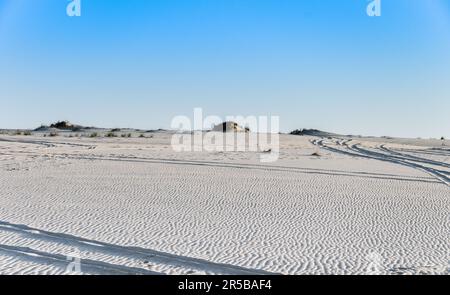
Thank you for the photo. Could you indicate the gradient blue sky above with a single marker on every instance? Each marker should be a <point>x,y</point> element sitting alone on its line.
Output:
<point>317,64</point>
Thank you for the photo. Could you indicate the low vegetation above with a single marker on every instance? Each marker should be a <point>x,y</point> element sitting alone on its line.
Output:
<point>111,134</point>
<point>303,132</point>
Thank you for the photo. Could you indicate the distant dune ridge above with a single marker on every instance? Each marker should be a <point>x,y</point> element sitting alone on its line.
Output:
<point>228,126</point>
<point>62,126</point>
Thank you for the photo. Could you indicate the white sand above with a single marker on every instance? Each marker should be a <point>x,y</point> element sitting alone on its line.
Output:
<point>134,206</point>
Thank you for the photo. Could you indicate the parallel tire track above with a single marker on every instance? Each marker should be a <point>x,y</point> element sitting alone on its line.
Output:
<point>356,150</point>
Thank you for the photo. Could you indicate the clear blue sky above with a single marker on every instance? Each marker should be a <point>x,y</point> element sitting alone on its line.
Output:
<point>317,64</point>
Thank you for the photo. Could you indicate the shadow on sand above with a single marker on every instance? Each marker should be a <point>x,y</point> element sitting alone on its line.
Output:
<point>145,257</point>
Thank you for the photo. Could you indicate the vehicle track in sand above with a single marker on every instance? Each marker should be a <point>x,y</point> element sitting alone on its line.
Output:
<point>102,258</point>
<point>384,154</point>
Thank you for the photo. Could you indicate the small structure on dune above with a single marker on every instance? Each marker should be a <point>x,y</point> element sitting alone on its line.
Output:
<point>229,127</point>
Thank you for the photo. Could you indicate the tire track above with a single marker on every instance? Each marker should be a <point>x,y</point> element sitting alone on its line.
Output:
<point>355,150</point>
<point>256,167</point>
<point>100,248</point>
<point>438,174</point>
<point>60,261</point>
<point>413,158</point>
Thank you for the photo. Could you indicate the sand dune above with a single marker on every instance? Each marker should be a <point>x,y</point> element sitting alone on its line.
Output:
<point>134,206</point>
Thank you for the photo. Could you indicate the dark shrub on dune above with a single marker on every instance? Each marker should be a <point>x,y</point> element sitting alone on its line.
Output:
<point>110,134</point>
<point>67,126</point>
<point>311,132</point>
<point>63,125</point>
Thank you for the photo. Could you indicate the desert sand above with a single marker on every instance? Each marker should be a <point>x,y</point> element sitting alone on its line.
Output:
<point>134,206</point>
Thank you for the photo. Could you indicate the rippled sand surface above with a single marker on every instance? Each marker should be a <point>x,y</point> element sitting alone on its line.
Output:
<point>134,206</point>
